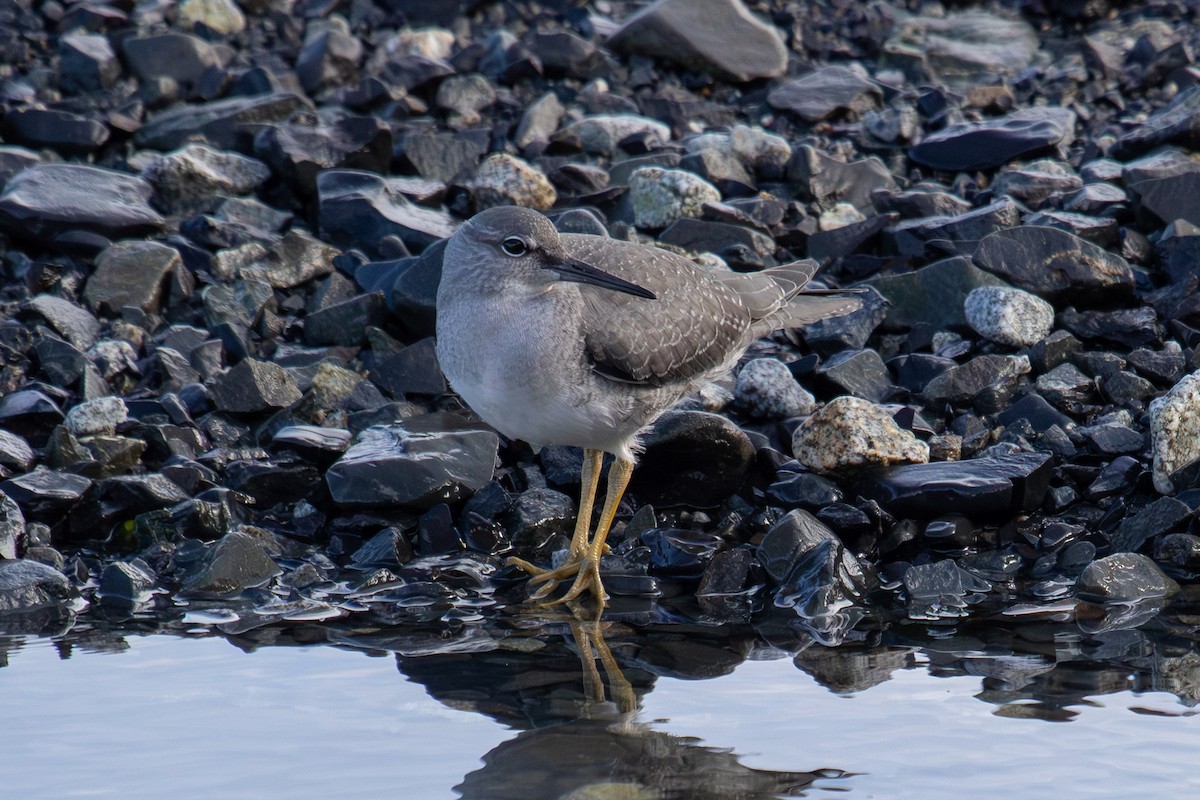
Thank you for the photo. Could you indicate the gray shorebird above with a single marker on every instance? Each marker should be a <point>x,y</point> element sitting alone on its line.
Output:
<point>572,339</point>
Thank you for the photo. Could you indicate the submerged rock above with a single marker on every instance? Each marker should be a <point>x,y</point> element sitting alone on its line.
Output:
<point>1124,578</point>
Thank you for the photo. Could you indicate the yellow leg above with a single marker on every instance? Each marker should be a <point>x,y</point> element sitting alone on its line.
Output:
<point>588,576</point>
<point>588,483</point>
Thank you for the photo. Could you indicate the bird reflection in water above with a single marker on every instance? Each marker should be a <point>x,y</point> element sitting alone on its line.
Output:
<point>565,690</point>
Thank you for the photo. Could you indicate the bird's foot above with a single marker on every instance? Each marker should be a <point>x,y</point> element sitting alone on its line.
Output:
<point>587,577</point>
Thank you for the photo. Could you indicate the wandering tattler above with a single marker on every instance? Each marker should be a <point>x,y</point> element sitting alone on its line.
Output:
<point>573,339</point>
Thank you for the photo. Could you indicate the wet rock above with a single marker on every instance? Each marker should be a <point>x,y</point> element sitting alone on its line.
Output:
<point>1051,263</point>
<point>825,92</point>
<point>101,415</point>
<point>55,129</point>
<point>933,295</point>
<point>126,582</point>
<point>317,444</point>
<point>87,62</point>
<point>389,548</point>
<point>851,432</point>
<point>993,142</point>
<point>358,209</point>
<point>239,560</point>
<point>679,553</point>
<point>1156,519</point>
<point>941,589</point>
<point>504,180</point>
<point>985,488</point>
<point>1175,435</point>
<point>961,49</point>
<point>1008,316</point>
<point>603,133</point>
<point>26,585</point>
<point>819,578</point>
<point>662,196</point>
<point>131,273</point>
<point>537,515</point>
<point>228,124</point>
<point>255,386</point>
<point>46,495</point>
<point>1036,182</point>
<point>195,178</point>
<point>716,36</point>
<point>420,462</point>
<point>1124,578</point>
<point>72,322</point>
<point>1179,550</point>
<point>804,489</point>
<point>692,458</point>
<point>49,199</point>
<point>766,389</point>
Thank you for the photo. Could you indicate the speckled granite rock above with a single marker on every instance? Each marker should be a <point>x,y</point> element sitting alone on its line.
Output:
<point>1008,316</point>
<point>850,432</point>
<point>1175,434</point>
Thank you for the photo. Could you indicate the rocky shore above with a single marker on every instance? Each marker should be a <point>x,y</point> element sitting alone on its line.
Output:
<point>222,228</point>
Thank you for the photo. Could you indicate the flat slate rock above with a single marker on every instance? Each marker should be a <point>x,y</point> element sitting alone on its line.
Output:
<point>716,36</point>
<point>1053,263</point>
<point>254,386</point>
<point>825,92</point>
<point>359,208</point>
<point>932,295</point>
<point>224,123</point>
<point>132,273</point>
<point>418,463</point>
<point>993,142</point>
<point>987,487</point>
<point>1177,123</point>
<point>48,199</point>
<point>961,50</point>
<point>56,129</point>
<point>74,323</point>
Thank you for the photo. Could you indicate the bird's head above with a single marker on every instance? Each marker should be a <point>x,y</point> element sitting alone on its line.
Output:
<point>519,244</point>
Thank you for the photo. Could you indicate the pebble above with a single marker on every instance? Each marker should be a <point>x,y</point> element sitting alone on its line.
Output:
<point>850,432</point>
<point>766,389</point>
<point>662,196</point>
<point>1008,316</point>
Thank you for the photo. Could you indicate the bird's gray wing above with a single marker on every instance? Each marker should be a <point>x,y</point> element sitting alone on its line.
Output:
<point>690,328</point>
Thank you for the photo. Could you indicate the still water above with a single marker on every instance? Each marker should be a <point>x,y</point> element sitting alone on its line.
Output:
<point>304,713</point>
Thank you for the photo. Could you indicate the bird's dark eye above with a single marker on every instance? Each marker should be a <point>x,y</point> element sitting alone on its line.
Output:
<point>514,246</point>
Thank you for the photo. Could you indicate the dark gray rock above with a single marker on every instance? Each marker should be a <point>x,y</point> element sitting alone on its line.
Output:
<point>358,208</point>
<point>1132,327</point>
<point>67,133</point>
<point>1156,519</point>
<point>239,560</point>
<point>179,57</point>
<point>228,124</point>
<point>536,516</point>
<point>389,548</point>
<point>1054,263</point>
<point>961,49</point>
<point>988,380</point>
<point>958,234</point>
<point>932,295</point>
<point>126,582</point>
<point>825,92</point>
<point>26,585</point>
<point>861,373</point>
<point>941,589</point>
<point>412,370</point>
<point>1178,123</point>
<point>255,386</point>
<point>692,458</point>
<point>29,413</point>
<point>299,152</point>
<point>829,181</point>
<point>1124,578</point>
<point>15,454</point>
<point>444,155</point>
<point>14,159</point>
<point>329,57</point>
<point>44,494</point>
<point>132,273</point>
<point>993,142</point>
<point>86,62</point>
<point>985,488</point>
<point>345,324</point>
<point>419,463</point>
<point>74,323</point>
<point>716,36</point>
<point>48,199</point>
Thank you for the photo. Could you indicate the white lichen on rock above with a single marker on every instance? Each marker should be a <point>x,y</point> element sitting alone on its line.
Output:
<point>662,196</point>
<point>100,415</point>
<point>851,432</point>
<point>1175,431</point>
<point>1008,316</point>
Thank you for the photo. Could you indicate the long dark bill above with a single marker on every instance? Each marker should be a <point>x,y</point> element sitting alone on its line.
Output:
<point>571,269</point>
